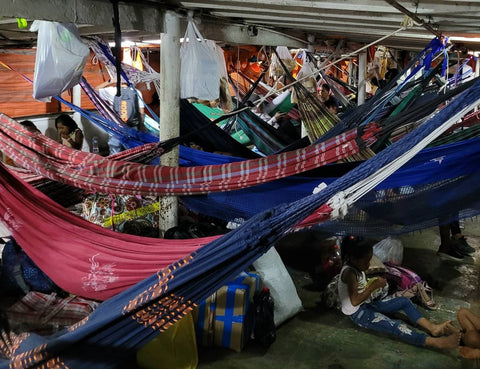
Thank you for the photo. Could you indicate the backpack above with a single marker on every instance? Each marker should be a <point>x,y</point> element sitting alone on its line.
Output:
<point>19,274</point>
<point>126,105</point>
<point>264,330</point>
<point>330,297</point>
<point>402,278</point>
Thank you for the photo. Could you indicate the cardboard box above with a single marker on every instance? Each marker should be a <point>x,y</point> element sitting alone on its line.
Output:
<point>204,317</point>
<point>224,319</point>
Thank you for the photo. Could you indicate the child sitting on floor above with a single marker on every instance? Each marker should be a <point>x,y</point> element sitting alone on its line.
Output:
<point>357,302</point>
<point>470,323</point>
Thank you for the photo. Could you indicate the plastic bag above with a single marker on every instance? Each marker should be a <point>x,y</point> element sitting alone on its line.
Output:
<point>276,278</point>
<point>306,75</point>
<point>276,68</point>
<point>199,73</point>
<point>60,59</point>
<point>389,250</point>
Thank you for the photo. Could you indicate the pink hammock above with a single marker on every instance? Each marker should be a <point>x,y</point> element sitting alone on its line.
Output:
<point>95,173</point>
<point>81,257</point>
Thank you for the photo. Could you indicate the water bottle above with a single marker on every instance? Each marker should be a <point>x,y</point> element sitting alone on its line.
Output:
<point>95,145</point>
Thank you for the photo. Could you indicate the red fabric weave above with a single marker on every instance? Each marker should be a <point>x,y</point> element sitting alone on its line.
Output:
<point>95,173</point>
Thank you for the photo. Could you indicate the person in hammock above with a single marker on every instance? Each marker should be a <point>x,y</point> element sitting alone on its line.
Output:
<point>31,127</point>
<point>357,300</point>
<point>69,133</point>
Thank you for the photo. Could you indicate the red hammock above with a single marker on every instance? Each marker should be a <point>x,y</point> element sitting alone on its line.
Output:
<point>79,256</point>
<point>95,173</point>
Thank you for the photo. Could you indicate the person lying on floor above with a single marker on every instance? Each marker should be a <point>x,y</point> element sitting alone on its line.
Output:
<point>470,323</point>
<point>366,312</point>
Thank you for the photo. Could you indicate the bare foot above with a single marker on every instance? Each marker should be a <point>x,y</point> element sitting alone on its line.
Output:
<point>469,353</point>
<point>445,342</point>
<point>443,329</point>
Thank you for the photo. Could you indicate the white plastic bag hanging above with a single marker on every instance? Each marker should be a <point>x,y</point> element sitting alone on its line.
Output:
<point>276,68</point>
<point>305,75</point>
<point>60,59</point>
<point>199,73</point>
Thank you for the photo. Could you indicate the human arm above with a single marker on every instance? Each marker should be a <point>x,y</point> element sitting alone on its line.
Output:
<point>104,84</point>
<point>349,276</point>
<point>77,141</point>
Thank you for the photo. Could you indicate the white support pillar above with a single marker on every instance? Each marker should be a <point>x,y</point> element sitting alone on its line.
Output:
<point>362,68</point>
<point>169,109</point>
<point>77,117</point>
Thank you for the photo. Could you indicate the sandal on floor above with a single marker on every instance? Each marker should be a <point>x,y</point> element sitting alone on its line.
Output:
<point>408,292</point>
<point>425,293</point>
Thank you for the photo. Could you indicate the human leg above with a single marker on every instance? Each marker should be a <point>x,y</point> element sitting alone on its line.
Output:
<point>469,353</point>
<point>446,249</point>
<point>470,323</point>
<point>404,304</point>
<point>371,316</point>
<point>459,242</point>
<point>367,317</point>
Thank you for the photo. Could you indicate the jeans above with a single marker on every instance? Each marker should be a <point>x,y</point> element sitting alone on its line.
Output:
<point>371,316</point>
<point>114,145</point>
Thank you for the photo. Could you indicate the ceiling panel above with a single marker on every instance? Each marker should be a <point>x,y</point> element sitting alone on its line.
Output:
<point>360,21</point>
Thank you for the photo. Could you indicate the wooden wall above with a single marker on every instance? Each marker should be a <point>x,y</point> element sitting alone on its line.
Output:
<point>16,93</point>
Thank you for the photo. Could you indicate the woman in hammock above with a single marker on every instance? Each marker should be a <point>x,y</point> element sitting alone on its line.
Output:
<point>70,134</point>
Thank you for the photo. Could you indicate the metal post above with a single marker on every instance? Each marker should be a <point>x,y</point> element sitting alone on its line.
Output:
<point>169,109</point>
<point>362,66</point>
<point>77,117</point>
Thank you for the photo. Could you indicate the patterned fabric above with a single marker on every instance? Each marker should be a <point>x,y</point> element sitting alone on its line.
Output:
<point>95,173</point>
<point>112,211</point>
<point>48,313</point>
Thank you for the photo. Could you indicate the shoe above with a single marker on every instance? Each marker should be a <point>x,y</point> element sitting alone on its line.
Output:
<point>425,294</point>
<point>450,255</point>
<point>462,246</point>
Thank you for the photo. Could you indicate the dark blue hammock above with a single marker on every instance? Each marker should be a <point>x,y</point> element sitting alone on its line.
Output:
<point>432,168</point>
<point>135,316</point>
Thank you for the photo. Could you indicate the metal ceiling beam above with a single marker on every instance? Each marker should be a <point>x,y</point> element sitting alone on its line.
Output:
<point>97,13</point>
<point>414,17</point>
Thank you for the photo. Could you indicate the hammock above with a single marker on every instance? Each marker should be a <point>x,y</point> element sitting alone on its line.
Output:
<point>136,315</point>
<point>429,168</point>
<point>94,173</point>
<point>376,107</point>
<point>266,138</point>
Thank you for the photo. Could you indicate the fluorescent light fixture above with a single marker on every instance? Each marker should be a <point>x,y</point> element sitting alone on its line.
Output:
<point>142,43</point>
<point>466,39</point>
<point>155,42</point>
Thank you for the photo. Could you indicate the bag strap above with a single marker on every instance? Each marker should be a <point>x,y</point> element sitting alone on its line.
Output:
<point>59,307</point>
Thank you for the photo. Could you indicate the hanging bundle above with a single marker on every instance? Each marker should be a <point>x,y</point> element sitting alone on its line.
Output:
<point>200,72</point>
<point>60,59</point>
<point>282,54</point>
<point>306,76</point>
